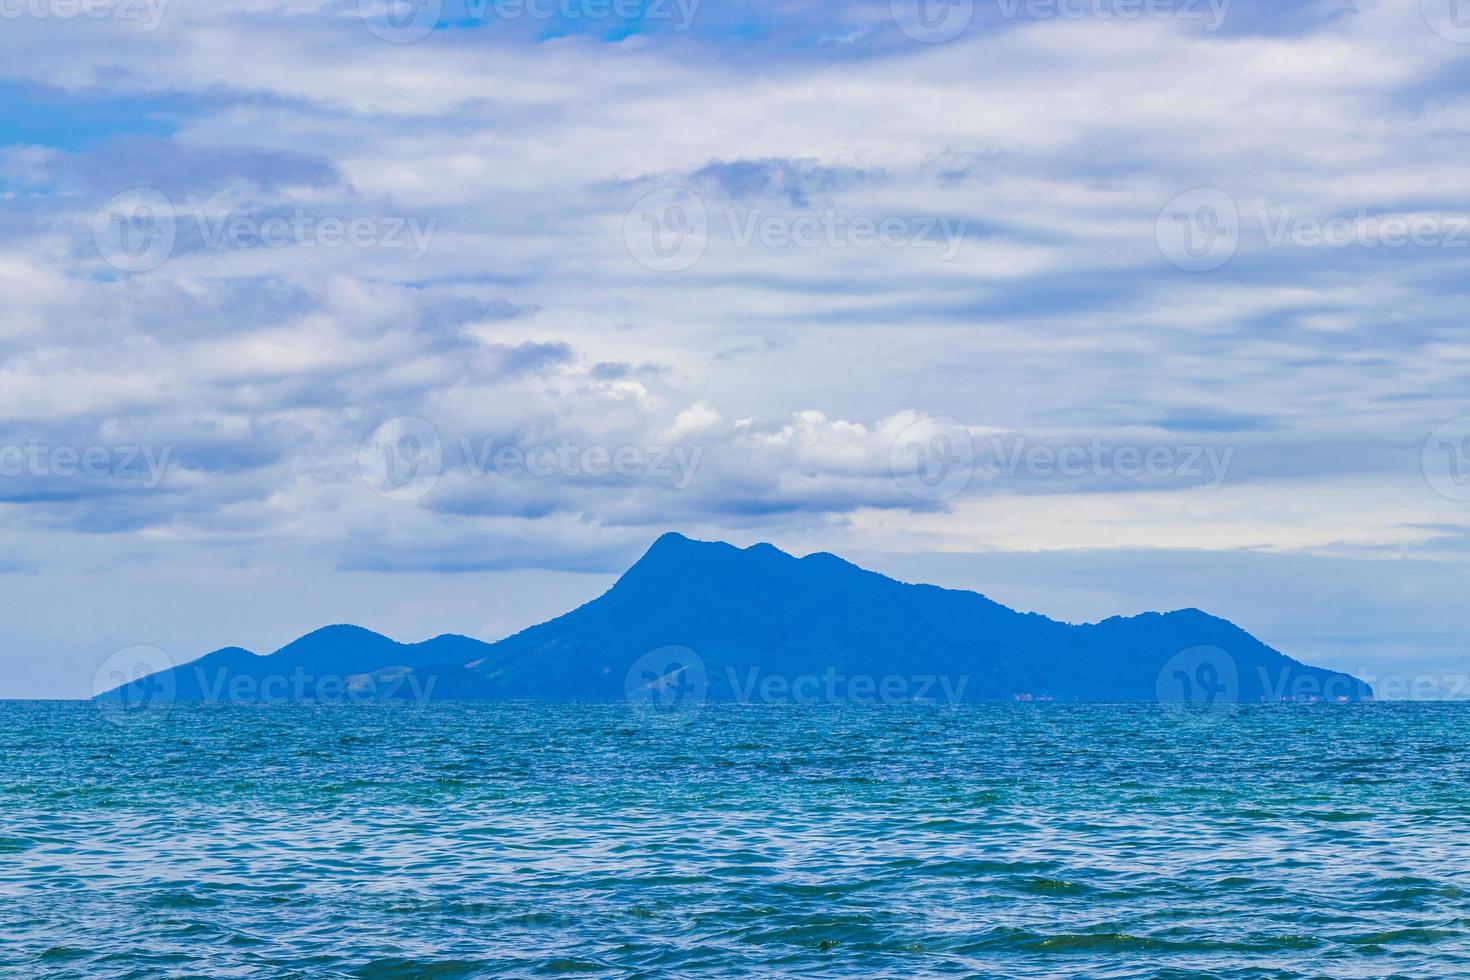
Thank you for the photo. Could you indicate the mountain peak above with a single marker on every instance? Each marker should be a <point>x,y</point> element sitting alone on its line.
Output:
<point>673,541</point>
<point>343,632</point>
<point>672,548</point>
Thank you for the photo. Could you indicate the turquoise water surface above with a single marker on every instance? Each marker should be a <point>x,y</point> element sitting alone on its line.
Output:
<point>537,840</point>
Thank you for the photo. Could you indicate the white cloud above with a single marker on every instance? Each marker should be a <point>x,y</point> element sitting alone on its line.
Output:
<point>1050,147</point>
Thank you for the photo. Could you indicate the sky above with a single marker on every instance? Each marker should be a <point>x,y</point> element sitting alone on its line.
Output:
<point>432,316</point>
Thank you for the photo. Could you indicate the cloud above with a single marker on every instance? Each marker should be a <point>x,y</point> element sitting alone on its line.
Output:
<point>181,169</point>
<point>794,181</point>
<point>1038,312</point>
<point>419,546</point>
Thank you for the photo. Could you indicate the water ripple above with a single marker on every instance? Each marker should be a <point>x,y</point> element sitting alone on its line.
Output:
<point>527,840</point>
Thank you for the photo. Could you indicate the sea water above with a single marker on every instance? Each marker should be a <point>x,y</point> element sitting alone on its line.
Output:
<point>533,840</point>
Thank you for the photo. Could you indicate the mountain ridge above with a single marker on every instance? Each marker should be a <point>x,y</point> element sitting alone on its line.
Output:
<point>730,621</point>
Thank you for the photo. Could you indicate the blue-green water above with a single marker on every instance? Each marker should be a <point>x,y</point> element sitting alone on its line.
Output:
<point>534,840</point>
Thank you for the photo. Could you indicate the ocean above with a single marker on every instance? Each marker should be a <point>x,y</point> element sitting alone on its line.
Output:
<point>539,839</point>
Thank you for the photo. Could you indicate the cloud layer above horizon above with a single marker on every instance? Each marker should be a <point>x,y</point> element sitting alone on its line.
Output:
<point>308,287</point>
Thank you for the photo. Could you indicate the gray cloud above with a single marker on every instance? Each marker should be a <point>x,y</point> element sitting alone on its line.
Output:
<point>528,320</point>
